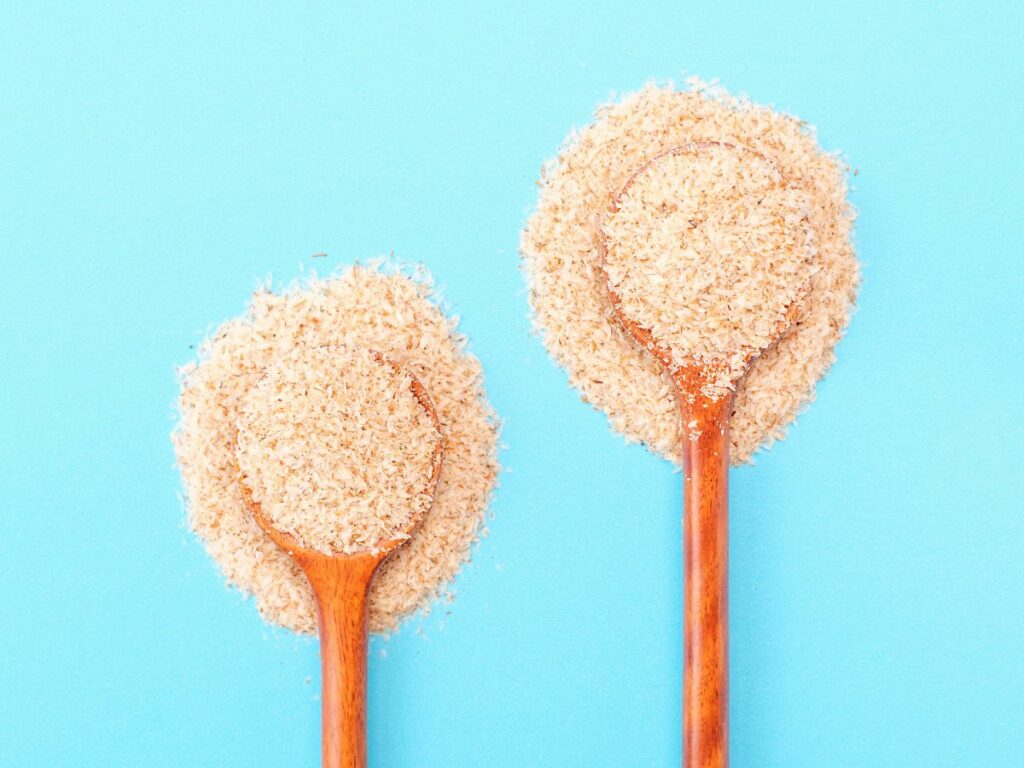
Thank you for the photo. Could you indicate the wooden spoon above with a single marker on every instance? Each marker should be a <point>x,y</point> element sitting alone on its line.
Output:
<point>705,517</point>
<point>341,585</point>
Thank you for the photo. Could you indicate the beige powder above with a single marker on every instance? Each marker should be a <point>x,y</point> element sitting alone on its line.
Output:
<point>708,248</point>
<point>337,449</point>
<point>364,307</point>
<point>562,261</point>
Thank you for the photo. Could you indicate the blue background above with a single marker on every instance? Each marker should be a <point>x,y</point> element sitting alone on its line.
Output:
<point>157,159</point>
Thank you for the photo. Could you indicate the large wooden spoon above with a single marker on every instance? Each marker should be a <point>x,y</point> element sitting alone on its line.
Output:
<point>705,408</point>
<point>341,584</point>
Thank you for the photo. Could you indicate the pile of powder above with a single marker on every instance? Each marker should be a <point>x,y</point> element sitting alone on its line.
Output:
<point>561,250</point>
<point>365,307</point>
<point>337,449</point>
<point>708,248</point>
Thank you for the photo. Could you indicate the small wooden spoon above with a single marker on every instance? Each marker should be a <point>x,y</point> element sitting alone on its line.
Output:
<point>341,585</point>
<point>705,520</point>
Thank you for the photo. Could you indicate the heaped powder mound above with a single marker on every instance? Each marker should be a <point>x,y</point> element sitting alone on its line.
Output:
<point>562,259</point>
<point>365,307</point>
<point>336,449</point>
<point>708,247</point>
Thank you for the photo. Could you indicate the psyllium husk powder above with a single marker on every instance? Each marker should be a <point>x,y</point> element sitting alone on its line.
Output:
<point>374,307</point>
<point>562,260</point>
<point>336,449</point>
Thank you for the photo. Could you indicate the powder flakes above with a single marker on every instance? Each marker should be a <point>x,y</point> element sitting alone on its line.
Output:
<point>362,308</point>
<point>337,449</point>
<point>562,254</point>
<point>707,248</point>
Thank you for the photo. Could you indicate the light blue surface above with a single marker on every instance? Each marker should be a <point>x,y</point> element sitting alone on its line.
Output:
<point>157,159</point>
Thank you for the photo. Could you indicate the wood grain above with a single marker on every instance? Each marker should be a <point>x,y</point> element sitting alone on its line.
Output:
<point>341,586</point>
<point>706,582</point>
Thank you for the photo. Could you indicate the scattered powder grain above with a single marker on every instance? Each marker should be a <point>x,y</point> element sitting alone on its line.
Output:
<point>366,307</point>
<point>562,261</point>
<point>337,449</point>
<point>708,248</point>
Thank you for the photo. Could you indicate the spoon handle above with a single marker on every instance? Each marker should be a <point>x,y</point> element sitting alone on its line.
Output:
<point>341,585</point>
<point>706,585</point>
